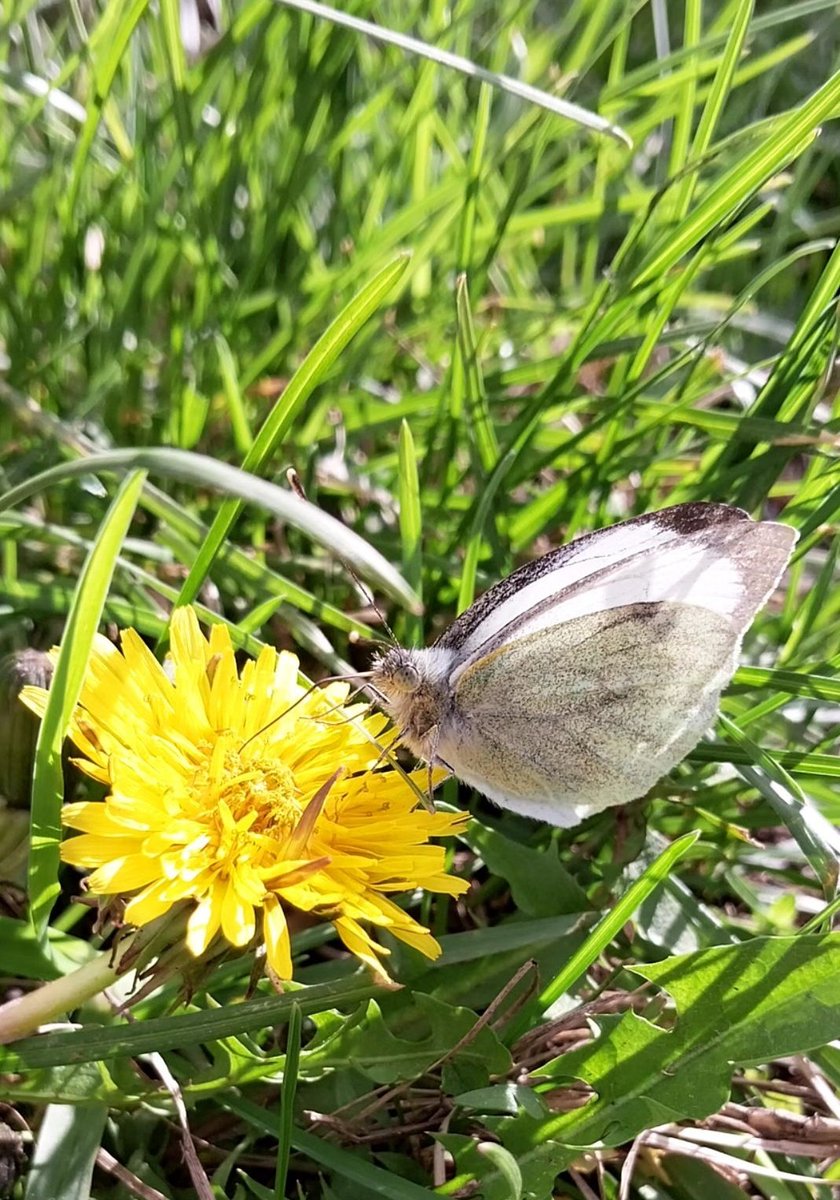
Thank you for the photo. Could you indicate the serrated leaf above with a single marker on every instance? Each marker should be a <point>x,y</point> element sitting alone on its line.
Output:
<point>118,1086</point>
<point>742,1004</point>
<point>376,1045</point>
<point>736,1004</point>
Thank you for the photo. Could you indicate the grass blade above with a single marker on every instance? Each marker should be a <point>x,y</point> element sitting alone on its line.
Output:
<point>607,928</point>
<point>411,528</point>
<point>790,137</point>
<point>350,1166</point>
<point>287,1100</point>
<point>816,837</point>
<point>208,472</point>
<point>561,108</point>
<point>76,642</point>
<point>320,358</point>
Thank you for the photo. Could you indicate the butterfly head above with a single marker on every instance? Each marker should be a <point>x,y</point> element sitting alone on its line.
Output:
<point>398,672</point>
<point>415,689</point>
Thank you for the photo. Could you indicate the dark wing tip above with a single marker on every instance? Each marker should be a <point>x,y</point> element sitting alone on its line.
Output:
<point>696,516</point>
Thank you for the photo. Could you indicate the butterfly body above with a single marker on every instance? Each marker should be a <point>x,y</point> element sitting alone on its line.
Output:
<point>586,675</point>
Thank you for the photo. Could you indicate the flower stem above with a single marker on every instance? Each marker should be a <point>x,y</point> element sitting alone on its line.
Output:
<point>23,1015</point>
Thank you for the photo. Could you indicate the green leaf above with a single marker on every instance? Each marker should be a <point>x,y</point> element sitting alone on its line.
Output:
<point>374,1042</point>
<point>696,1178</point>
<point>24,954</point>
<point>117,1086</point>
<point>503,1162</point>
<point>538,1168</point>
<point>540,883</point>
<point>503,1098</point>
<point>736,1005</point>
<point>65,1151</point>
<point>76,642</point>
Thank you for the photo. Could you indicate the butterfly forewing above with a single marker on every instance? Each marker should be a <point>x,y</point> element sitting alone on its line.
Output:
<point>704,554</point>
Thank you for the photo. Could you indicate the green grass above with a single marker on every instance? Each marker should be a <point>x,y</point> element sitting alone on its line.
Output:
<point>474,328</point>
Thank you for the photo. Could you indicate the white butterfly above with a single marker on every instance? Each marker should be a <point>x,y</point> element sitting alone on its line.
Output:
<point>586,675</point>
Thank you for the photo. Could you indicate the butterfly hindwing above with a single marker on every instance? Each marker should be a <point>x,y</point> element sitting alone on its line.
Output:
<point>591,713</point>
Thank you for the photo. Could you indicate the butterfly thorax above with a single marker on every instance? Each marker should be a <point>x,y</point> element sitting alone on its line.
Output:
<point>415,685</point>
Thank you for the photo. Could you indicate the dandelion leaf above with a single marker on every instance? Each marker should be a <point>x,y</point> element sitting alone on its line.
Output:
<point>402,1036</point>
<point>735,1005</point>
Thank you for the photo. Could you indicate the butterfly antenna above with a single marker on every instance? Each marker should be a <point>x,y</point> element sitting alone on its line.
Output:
<point>294,481</point>
<point>312,687</point>
<point>341,704</point>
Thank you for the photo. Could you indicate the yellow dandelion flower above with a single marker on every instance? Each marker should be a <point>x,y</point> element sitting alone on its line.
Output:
<point>246,797</point>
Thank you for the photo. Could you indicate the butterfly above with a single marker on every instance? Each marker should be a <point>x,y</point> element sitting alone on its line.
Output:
<point>585,676</point>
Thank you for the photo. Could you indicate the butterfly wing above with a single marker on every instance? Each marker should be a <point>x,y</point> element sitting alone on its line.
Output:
<point>711,555</point>
<point>590,713</point>
<point>588,674</point>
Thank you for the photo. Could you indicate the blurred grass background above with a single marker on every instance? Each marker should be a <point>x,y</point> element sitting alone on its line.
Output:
<point>474,329</point>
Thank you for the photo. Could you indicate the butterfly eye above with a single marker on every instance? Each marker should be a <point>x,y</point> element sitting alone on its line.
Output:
<point>407,674</point>
<point>397,669</point>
